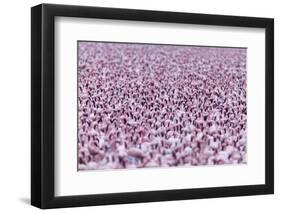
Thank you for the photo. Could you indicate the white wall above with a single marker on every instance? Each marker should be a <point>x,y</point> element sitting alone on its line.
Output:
<point>15,106</point>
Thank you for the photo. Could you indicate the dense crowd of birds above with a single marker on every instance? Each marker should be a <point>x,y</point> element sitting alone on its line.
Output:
<point>144,105</point>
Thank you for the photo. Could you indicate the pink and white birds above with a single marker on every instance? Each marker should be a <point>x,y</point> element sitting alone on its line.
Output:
<point>144,105</point>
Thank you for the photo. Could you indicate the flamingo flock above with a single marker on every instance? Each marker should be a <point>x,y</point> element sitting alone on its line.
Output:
<point>145,105</point>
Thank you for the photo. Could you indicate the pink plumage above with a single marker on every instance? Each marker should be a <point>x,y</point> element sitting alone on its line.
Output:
<point>145,105</point>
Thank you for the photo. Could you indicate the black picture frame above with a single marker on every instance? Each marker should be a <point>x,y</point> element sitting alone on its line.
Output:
<point>43,102</point>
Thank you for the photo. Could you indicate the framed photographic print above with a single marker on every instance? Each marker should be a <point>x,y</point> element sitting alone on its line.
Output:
<point>140,106</point>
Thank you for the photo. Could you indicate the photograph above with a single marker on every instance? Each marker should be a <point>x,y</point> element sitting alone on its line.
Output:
<point>132,105</point>
<point>160,105</point>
